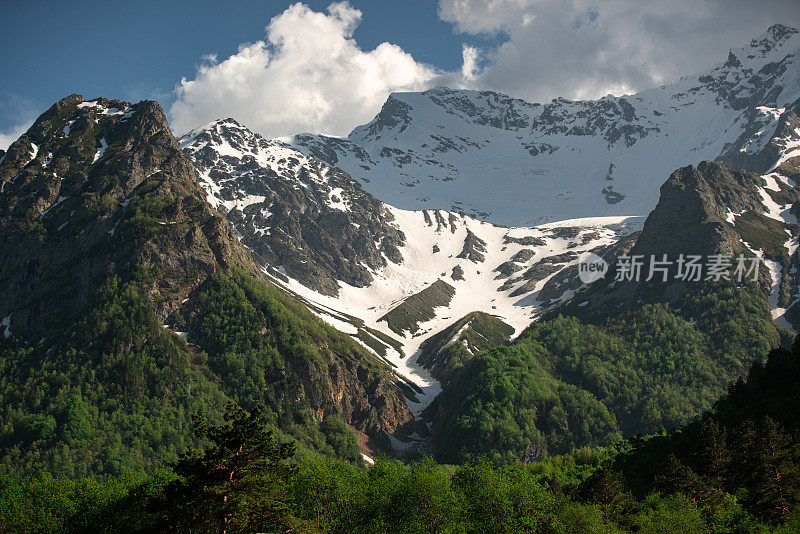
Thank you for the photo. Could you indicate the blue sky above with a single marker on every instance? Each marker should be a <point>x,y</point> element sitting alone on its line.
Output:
<point>137,50</point>
<point>323,68</point>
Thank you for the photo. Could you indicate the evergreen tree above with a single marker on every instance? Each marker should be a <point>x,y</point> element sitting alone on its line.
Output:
<point>607,489</point>
<point>679,478</point>
<point>241,482</point>
<point>712,457</point>
<point>776,472</point>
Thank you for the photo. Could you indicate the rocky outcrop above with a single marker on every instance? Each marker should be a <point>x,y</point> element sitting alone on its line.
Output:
<point>96,183</point>
<point>473,249</point>
<point>694,205</point>
<point>300,215</point>
<point>703,211</point>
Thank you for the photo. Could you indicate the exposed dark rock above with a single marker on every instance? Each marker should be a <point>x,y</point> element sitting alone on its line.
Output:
<point>523,255</point>
<point>507,268</point>
<point>295,212</point>
<point>473,248</point>
<point>528,241</point>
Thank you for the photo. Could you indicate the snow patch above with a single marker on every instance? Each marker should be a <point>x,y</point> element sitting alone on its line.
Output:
<point>100,151</point>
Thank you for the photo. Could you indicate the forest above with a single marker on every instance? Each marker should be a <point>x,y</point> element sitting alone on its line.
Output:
<point>735,468</point>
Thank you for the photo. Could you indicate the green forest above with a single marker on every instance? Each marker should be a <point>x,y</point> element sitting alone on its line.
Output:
<point>120,425</point>
<point>736,468</point>
<point>115,392</point>
<point>565,383</point>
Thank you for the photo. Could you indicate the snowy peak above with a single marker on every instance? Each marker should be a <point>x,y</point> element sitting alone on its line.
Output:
<point>303,217</point>
<point>774,38</point>
<point>512,162</point>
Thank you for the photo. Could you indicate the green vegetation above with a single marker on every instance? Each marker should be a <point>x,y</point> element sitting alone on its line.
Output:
<point>446,352</point>
<point>419,307</point>
<point>762,232</point>
<point>504,405</point>
<point>736,469</point>
<point>113,393</point>
<point>565,383</point>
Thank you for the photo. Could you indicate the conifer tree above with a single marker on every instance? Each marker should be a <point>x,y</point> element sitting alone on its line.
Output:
<point>240,482</point>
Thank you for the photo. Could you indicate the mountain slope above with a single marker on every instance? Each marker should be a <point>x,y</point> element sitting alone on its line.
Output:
<point>633,355</point>
<point>293,211</point>
<point>113,260</point>
<point>446,352</point>
<point>425,269</point>
<point>512,162</point>
<point>357,261</point>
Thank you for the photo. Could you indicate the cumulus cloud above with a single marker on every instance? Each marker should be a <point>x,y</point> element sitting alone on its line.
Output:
<point>469,68</point>
<point>309,74</point>
<point>588,48</point>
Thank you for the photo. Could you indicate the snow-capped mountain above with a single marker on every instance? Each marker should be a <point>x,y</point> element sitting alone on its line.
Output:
<point>512,162</point>
<point>312,220</point>
<point>393,278</point>
<point>389,277</point>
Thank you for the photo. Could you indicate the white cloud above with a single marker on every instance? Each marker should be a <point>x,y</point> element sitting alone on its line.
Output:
<point>587,48</point>
<point>469,68</point>
<point>309,74</point>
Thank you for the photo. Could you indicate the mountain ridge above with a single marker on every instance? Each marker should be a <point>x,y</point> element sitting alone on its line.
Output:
<point>564,159</point>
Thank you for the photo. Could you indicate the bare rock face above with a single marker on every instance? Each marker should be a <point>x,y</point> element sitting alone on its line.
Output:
<point>703,211</point>
<point>95,183</point>
<point>474,248</point>
<point>694,205</point>
<point>301,215</point>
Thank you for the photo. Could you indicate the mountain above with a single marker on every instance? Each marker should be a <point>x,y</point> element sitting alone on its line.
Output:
<point>388,277</point>
<point>293,211</point>
<point>633,354</point>
<point>210,260</point>
<point>711,209</point>
<point>130,304</point>
<point>512,162</point>
<point>393,278</point>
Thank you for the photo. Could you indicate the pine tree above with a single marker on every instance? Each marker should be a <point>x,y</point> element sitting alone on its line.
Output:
<point>679,478</point>
<point>238,483</point>
<point>607,488</point>
<point>776,476</point>
<point>712,457</point>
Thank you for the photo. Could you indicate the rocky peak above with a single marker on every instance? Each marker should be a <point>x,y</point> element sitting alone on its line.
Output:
<point>95,183</point>
<point>694,205</point>
<point>300,215</point>
<point>393,118</point>
<point>775,37</point>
